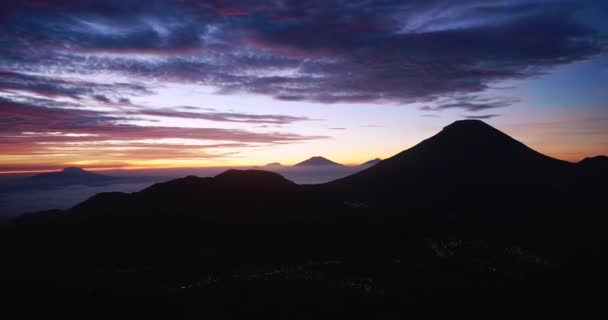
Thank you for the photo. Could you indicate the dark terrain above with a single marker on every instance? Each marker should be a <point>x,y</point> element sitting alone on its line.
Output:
<point>469,215</point>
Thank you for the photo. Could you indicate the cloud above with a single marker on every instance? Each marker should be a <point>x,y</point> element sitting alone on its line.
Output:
<point>471,103</point>
<point>54,87</point>
<point>482,117</point>
<point>223,116</point>
<point>57,136</point>
<point>74,73</point>
<point>16,117</point>
<point>323,51</point>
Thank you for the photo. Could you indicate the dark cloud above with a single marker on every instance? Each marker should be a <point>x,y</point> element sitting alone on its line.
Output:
<point>323,51</point>
<point>43,124</point>
<point>102,98</point>
<point>48,86</point>
<point>223,116</point>
<point>471,103</point>
<point>482,117</point>
<point>17,117</point>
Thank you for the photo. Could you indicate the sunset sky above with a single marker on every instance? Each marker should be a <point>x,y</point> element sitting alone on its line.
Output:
<point>191,83</point>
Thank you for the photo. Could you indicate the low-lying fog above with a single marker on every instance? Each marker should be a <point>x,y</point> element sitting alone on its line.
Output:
<point>18,200</point>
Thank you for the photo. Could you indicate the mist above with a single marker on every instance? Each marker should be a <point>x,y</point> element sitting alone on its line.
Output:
<point>18,201</point>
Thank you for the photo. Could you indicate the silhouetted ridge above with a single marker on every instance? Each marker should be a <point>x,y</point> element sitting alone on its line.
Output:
<point>230,180</point>
<point>597,161</point>
<point>253,178</point>
<point>246,194</point>
<point>463,150</point>
<point>187,184</point>
<point>370,162</point>
<point>467,209</point>
<point>595,169</point>
<point>102,201</point>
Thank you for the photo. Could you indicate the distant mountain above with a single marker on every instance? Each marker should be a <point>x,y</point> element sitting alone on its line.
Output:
<point>370,162</point>
<point>317,161</point>
<point>273,165</point>
<point>70,176</point>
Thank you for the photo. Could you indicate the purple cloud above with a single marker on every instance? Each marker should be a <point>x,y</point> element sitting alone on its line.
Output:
<point>223,116</point>
<point>323,51</point>
<point>482,117</point>
<point>43,124</point>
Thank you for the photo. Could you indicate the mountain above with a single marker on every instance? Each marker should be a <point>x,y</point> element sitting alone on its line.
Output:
<point>597,162</point>
<point>469,215</point>
<point>247,194</point>
<point>317,161</point>
<point>594,169</point>
<point>468,167</point>
<point>464,150</point>
<point>273,165</point>
<point>370,162</point>
<point>66,177</point>
<point>70,176</point>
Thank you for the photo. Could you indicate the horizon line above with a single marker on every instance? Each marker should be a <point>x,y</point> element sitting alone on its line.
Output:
<point>135,168</point>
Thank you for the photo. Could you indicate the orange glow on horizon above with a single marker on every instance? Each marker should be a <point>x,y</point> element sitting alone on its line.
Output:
<point>570,157</point>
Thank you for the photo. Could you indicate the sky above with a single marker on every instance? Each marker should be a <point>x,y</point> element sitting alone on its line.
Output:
<point>189,83</point>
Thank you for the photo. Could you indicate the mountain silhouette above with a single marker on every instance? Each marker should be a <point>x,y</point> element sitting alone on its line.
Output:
<point>248,194</point>
<point>597,162</point>
<point>593,169</point>
<point>68,176</point>
<point>233,180</point>
<point>253,179</point>
<point>317,161</point>
<point>469,215</point>
<point>370,162</point>
<point>464,150</point>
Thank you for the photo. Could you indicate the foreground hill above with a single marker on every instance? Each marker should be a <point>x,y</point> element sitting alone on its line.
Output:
<point>469,215</point>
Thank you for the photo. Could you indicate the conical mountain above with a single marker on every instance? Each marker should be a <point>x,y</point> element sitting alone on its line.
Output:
<point>317,161</point>
<point>463,152</point>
